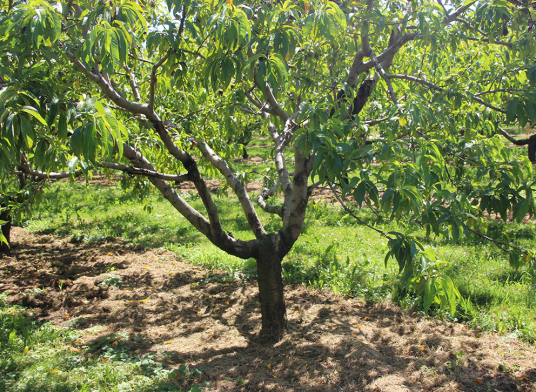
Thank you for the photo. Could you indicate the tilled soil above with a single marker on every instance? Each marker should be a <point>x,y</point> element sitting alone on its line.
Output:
<point>206,320</point>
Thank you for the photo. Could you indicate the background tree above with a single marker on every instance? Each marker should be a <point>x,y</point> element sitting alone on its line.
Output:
<point>396,103</point>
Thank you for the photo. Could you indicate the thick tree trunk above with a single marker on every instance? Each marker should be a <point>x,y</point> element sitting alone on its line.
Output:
<point>273,310</point>
<point>6,228</point>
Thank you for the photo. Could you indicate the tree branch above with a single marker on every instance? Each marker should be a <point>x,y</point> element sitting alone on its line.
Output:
<point>382,73</point>
<point>133,84</point>
<point>299,195</point>
<point>443,6</point>
<point>507,44</point>
<point>278,110</point>
<point>132,107</point>
<point>375,122</point>
<point>265,195</point>
<point>132,170</point>
<point>452,17</point>
<point>236,185</point>
<point>349,211</point>
<point>500,90</point>
<point>355,68</point>
<point>365,43</point>
<point>510,138</point>
<point>153,79</point>
<point>212,228</point>
<point>437,88</point>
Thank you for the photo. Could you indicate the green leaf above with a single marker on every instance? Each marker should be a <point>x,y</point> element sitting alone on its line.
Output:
<point>73,164</point>
<point>33,112</point>
<point>40,151</point>
<point>450,293</point>
<point>521,210</point>
<point>3,239</point>
<point>279,63</point>
<point>227,72</point>
<point>62,127</point>
<point>511,108</point>
<point>455,231</point>
<point>514,258</point>
<point>77,142</point>
<point>27,131</point>
<point>359,193</point>
<point>90,142</point>
<point>521,115</point>
<point>52,112</point>
<point>429,293</point>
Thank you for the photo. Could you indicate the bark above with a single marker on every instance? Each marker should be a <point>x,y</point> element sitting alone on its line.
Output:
<point>362,96</point>
<point>532,148</point>
<point>270,255</point>
<point>271,250</point>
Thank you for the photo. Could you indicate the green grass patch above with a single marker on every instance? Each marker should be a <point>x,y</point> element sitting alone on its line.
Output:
<point>41,357</point>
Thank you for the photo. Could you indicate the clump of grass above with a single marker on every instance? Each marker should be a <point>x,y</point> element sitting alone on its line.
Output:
<point>41,357</point>
<point>343,277</point>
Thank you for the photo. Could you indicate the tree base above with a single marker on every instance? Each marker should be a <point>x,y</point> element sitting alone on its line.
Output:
<point>273,334</point>
<point>273,310</point>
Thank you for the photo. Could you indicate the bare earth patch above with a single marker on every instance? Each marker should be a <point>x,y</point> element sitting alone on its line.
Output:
<point>210,322</point>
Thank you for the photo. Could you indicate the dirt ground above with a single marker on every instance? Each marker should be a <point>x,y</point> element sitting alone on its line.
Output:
<point>207,321</point>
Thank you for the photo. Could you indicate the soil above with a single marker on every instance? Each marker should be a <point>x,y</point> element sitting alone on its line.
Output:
<point>206,320</point>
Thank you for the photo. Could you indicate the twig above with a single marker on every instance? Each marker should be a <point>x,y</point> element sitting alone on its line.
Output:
<point>382,233</point>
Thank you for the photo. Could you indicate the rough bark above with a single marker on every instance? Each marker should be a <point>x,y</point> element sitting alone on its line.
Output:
<point>271,250</point>
<point>270,255</point>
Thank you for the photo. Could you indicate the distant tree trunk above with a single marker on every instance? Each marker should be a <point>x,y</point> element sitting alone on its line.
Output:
<point>245,154</point>
<point>530,141</point>
<point>273,310</point>
<point>5,215</point>
<point>532,148</point>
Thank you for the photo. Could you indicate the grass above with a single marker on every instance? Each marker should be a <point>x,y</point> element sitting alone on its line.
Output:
<point>41,357</point>
<point>333,252</point>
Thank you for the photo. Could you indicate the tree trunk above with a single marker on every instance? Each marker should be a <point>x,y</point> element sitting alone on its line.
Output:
<point>273,311</point>
<point>6,228</point>
<point>532,148</point>
<point>245,154</point>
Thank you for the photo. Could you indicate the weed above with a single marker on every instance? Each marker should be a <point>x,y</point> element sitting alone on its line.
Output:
<point>455,362</point>
<point>111,280</point>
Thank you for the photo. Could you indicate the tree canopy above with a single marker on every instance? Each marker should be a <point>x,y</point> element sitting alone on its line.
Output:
<point>398,106</point>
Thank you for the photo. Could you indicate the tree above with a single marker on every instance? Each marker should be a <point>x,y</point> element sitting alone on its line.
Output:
<point>379,99</point>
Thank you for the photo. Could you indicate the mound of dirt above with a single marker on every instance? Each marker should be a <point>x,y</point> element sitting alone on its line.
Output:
<point>210,321</point>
